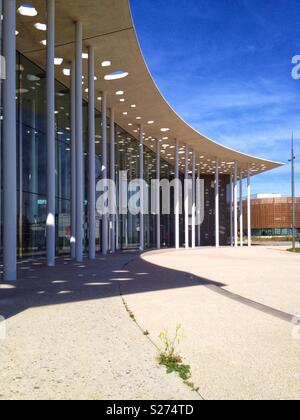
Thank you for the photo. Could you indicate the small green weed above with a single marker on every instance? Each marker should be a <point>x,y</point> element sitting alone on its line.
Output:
<point>170,358</point>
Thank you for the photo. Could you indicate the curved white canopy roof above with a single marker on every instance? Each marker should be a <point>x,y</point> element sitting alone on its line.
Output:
<point>108,26</point>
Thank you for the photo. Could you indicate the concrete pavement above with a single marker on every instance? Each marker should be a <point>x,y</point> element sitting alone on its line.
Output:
<point>70,337</point>
<point>236,347</point>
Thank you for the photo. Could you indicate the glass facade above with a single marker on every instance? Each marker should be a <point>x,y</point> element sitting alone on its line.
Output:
<point>32,160</point>
<point>32,182</point>
<point>31,170</point>
<point>273,232</point>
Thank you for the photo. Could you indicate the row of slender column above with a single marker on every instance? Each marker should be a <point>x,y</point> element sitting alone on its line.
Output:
<point>9,140</point>
<point>236,204</point>
<point>9,146</point>
<point>77,166</point>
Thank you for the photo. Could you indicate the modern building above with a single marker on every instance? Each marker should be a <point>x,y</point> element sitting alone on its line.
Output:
<point>79,105</point>
<point>271,215</point>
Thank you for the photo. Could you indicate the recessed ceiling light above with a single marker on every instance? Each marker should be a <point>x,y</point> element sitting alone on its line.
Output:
<point>17,33</point>
<point>120,93</point>
<point>130,125</point>
<point>125,113</point>
<point>99,98</point>
<point>133,106</point>
<point>164,130</point>
<point>150,122</point>
<point>95,78</point>
<point>40,26</point>
<point>116,75</point>
<point>58,61</point>
<point>67,72</point>
<point>106,63</point>
<point>27,10</point>
<point>138,118</point>
<point>85,56</point>
<point>44,42</point>
<point>122,100</point>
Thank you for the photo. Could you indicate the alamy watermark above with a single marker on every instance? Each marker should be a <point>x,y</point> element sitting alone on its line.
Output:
<point>158,197</point>
<point>296,68</point>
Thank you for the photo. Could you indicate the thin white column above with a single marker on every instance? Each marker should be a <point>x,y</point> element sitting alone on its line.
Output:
<point>217,205</point>
<point>113,178</point>
<point>194,201</point>
<point>177,205</point>
<point>235,205</point>
<point>241,212</point>
<point>73,161</point>
<point>20,168</point>
<point>249,208</point>
<point>231,210</point>
<point>92,156</point>
<point>142,226</point>
<point>50,133</point>
<point>186,199</point>
<point>199,207</point>
<point>33,163</point>
<point>9,145</point>
<point>158,242</point>
<point>79,145</point>
<point>104,171</point>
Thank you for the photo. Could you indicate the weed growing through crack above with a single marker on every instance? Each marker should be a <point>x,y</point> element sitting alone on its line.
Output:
<point>170,358</point>
<point>168,355</point>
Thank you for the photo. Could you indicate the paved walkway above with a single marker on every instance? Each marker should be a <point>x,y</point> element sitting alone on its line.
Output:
<point>70,337</point>
<point>236,306</point>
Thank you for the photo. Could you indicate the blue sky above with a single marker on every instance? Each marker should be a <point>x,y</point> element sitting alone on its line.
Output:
<point>225,66</point>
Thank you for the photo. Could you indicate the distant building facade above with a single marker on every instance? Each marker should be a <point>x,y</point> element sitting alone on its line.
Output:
<point>272,215</point>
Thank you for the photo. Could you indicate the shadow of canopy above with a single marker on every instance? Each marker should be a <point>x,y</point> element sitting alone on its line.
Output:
<point>106,277</point>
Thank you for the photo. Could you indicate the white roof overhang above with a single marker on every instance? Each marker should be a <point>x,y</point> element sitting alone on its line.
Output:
<point>108,26</point>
